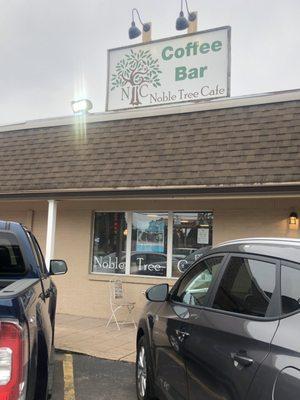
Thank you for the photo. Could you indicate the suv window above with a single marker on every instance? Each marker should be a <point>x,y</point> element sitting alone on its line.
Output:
<point>246,287</point>
<point>290,289</point>
<point>195,285</point>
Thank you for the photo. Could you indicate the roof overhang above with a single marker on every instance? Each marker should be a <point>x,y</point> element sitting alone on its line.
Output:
<point>262,191</point>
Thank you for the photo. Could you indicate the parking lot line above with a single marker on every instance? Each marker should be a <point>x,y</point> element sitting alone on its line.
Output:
<point>69,390</point>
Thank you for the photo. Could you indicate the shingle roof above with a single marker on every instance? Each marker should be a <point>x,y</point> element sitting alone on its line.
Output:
<point>250,145</point>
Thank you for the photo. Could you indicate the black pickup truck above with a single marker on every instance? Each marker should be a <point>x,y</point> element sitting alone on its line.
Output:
<point>27,315</point>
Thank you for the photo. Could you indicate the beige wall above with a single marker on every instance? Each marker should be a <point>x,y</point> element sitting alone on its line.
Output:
<point>86,294</point>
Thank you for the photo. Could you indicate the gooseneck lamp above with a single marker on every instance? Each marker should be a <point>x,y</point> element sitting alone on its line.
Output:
<point>134,31</point>
<point>182,23</point>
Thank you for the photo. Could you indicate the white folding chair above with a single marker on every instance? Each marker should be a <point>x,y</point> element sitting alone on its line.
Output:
<point>118,301</point>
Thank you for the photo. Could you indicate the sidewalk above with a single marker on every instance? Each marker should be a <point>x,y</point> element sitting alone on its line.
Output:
<point>90,336</point>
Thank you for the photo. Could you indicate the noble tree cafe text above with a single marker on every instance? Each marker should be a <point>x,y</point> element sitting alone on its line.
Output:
<point>186,68</point>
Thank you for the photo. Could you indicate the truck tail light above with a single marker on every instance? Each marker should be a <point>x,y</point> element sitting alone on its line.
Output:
<point>12,361</point>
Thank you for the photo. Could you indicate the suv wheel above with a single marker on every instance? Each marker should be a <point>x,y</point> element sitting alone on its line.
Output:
<point>144,381</point>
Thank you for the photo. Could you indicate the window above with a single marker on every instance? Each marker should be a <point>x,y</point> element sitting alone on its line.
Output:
<point>110,231</point>
<point>192,235</point>
<point>39,254</point>
<point>290,289</point>
<point>158,244</point>
<point>149,244</point>
<point>11,259</point>
<point>246,287</point>
<point>194,287</point>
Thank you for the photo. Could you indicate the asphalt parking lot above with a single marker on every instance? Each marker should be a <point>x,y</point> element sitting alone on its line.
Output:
<point>80,377</point>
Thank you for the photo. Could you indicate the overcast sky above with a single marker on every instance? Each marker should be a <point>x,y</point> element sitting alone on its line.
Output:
<point>55,50</point>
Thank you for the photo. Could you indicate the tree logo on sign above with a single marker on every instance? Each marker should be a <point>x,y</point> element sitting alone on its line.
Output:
<point>137,68</point>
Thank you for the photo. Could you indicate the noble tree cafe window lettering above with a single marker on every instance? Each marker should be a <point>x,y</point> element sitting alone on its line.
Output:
<point>160,244</point>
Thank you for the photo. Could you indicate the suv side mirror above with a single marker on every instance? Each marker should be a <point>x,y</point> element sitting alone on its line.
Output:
<point>58,267</point>
<point>158,292</point>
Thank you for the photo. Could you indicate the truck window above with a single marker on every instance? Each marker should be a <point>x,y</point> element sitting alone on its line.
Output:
<point>38,253</point>
<point>11,259</point>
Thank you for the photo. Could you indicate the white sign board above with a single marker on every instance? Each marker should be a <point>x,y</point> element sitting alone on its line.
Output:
<point>186,68</point>
<point>203,236</point>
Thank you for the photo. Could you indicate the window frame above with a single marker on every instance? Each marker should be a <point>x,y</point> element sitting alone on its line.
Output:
<point>275,305</point>
<point>293,265</point>
<point>211,288</point>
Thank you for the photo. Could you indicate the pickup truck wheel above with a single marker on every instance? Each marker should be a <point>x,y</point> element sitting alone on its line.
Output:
<point>144,372</point>
<point>43,378</point>
<point>42,388</point>
<point>51,374</point>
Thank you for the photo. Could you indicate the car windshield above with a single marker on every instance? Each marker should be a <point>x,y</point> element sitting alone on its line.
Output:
<point>11,259</point>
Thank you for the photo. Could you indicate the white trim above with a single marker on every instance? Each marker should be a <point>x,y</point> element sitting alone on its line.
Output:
<point>242,101</point>
<point>170,244</point>
<point>128,242</point>
<point>51,227</point>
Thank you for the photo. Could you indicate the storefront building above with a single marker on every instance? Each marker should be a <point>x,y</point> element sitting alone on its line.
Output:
<point>138,195</point>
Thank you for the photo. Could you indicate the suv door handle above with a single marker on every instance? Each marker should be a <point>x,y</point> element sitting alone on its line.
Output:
<point>182,335</point>
<point>241,359</point>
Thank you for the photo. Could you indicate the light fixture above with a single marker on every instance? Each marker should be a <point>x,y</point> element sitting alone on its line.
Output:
<point>182,23</point>
<point>293,219</point>
<point>134,31</point>
<point>81,106</point>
